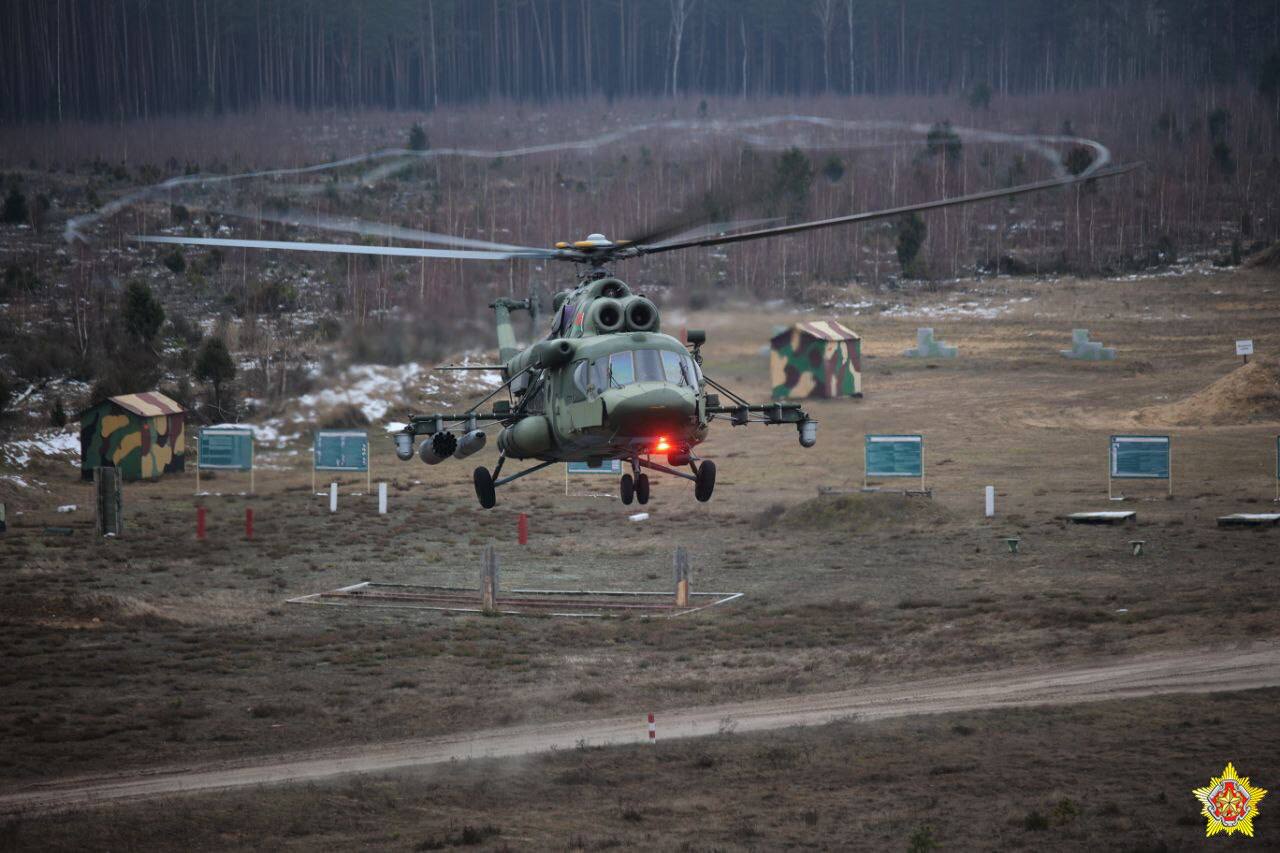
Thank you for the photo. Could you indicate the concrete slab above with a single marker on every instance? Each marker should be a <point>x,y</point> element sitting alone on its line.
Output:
<point>1108,517</point>
<point>1250,519</point>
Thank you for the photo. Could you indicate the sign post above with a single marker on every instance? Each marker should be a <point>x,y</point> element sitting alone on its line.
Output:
<point>609,466</point>
<point>227,448</point>
<point>893,456</point>
<point>341,450</point>
<point>1245,348</point>
<point>1140,457</point>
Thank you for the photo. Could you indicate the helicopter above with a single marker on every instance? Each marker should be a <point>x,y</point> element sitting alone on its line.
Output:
<point>606,383</point>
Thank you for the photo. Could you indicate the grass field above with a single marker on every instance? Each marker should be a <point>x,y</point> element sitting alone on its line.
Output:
<point>157,649</point>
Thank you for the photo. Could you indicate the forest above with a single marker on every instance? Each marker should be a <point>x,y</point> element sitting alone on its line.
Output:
<point>126,59</point>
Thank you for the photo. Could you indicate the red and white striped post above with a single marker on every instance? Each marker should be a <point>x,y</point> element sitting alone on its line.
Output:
<point>653,730</point>
<point>248,522</point>
<point>522,529</point>
<point>200,511</point>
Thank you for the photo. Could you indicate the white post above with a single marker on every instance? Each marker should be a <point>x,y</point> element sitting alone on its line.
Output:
<point>991,501</point>
<point>382,498</point>
<point>333,497</point>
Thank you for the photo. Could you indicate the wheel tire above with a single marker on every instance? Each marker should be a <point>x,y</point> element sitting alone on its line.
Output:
<point>485,490</point>
<point>706,483</point>
<point>627,488</point>
<point>642,488</point>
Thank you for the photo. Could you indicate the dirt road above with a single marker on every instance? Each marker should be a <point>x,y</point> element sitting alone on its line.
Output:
<point>1195,671</point>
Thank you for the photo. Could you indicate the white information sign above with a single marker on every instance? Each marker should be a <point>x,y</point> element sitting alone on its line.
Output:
<point>1244,347</point>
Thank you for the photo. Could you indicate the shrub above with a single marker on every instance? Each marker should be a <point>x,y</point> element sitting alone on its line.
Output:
<point>980,96</point>
<point>922,841</point>
<point>833,169</point>
<point>1219,124</point>
<point>793,175</point>
<point>1035,822</point>
<point>57,413</point>
<point>346,416</point>
<point>179,214</point>
<point>1223,158</point>
<point>175,261</point>
<point>15,207</point>
<point>1078,158</point>
<point>911,234</point>
<point>418,138</point>
<point>941,139</point>
<point>143,314</point>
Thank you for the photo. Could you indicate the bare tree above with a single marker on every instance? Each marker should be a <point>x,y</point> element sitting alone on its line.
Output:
<point>825,12</point>
<point>680,11</point>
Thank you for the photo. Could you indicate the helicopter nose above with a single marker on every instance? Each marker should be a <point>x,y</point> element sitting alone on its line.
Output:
<point>653,411</point>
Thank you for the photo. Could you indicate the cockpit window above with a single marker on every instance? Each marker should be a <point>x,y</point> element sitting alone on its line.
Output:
<point>674,368</point>
<point>644,365</point>
<point>581,377</point>
<point>622,369</point>
<point>649,366</point>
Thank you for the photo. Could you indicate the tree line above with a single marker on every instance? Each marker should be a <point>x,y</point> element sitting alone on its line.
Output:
<point>124,59</point>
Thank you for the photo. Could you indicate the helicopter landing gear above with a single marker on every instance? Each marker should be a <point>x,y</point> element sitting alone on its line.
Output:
<point>642,489</point>
<point>485,490</point>
<point>487,484</point>
<point>627,489</point>
<point>705,483</point>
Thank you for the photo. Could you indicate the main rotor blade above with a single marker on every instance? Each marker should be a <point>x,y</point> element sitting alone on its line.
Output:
<point>351,225</point>
<point>885,214</point>
<point>342,248</point>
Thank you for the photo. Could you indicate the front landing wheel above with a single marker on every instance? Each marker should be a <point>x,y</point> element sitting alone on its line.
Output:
<point>706,482</point>
<point>484,488</point>
<point>627,488</point>
<point>642,488</point>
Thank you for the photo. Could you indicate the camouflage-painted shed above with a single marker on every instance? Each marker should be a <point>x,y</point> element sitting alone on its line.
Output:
<point>144,435</point>
<point>816,358</point>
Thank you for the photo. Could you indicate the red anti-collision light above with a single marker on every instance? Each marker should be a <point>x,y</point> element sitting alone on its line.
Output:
<point>662,446</point>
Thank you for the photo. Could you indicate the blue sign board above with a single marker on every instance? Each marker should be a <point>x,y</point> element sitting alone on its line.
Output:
<point>610,466</point>
<point>341,450</point>
<point>226,448</point>
<point>894,455</point>
<point>1140,457</point>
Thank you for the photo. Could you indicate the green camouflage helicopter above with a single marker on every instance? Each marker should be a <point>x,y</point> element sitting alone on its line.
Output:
<point>607,383</point>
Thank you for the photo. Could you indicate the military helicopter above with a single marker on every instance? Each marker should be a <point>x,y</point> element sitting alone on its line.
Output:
<point>606,383</point>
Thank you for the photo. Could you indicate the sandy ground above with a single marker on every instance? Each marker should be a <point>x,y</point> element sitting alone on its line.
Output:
<point>1203,671</point>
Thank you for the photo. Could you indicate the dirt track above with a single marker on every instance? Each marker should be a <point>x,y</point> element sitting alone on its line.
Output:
<point>1197,671</point>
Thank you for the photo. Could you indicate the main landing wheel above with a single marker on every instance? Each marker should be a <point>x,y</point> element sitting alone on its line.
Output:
<point>484,488</point>
<point>642,488</point>
<point>706,482</point>
<point>627,488</point>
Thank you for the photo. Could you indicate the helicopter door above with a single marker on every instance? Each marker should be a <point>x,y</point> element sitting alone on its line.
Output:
<point>582,405</point>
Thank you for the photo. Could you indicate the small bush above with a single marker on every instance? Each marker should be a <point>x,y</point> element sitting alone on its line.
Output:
<point>57,413</point>
<point>1035,822</point>
<point>175,261</point>
<point>833,169</point>
<point>980,96</point>
<point>922,841</point>
<point>942,139</point>
<point>911,235</point>
<point>418,138</point>
<point>15,207</point>
<point>346,416</point>
<point>1078,159</point>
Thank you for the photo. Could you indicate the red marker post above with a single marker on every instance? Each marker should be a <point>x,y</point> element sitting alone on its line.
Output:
<point>200,512</point>
<point>248,522</point>
<point>522,529</point>
<point>653,730</point>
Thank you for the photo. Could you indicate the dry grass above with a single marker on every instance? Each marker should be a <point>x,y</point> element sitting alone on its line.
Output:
<point>1037,779</point>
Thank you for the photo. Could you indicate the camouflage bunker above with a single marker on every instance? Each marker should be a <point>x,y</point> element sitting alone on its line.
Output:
<point>816,358</point>
<point>144,435</point>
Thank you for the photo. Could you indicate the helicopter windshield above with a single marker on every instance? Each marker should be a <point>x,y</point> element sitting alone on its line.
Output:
<point>629,366</point>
